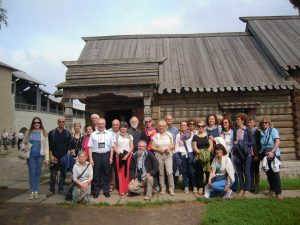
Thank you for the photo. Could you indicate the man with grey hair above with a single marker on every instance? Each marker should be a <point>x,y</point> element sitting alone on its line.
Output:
<point>94,118</point>
<point>135,132</point>
<point>171,129</point>
<point>101,156</point>
<point>143,167</point>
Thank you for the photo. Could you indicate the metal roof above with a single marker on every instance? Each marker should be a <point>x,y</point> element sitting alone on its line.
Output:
<point>25,76</point>
<point>192,62</point>
<point>8,66</point>
<point>279,37</point>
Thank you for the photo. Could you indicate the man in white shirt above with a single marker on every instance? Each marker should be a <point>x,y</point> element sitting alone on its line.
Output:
<point>101,156</point>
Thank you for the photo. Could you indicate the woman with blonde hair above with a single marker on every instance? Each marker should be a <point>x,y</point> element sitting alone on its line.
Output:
<point>163,146</point>
<point>38,138</point>
<point>270,142</point>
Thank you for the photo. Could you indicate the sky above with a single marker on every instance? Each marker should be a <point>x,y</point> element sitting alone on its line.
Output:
<point>43,33</point>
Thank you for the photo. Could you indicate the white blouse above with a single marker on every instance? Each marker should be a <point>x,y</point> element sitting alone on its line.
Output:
<point>179,146</point>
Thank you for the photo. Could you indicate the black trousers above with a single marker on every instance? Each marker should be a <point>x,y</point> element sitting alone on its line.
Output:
<point>274,180</point>
<point>199,175</point>
<point>100,170</point>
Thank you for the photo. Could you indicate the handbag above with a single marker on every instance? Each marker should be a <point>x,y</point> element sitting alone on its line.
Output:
<point>69,193</point>
<point>24,153</point>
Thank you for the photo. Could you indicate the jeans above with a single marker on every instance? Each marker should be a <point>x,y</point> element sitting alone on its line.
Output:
<point>218,187</point>
<point>101,168</point>
<point>244,173</point>
<point>54,168</point>
<point>35,170</point>
<point>188,172</point>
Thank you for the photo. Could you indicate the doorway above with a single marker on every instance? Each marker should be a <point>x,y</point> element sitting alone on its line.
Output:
<point>122,115</point>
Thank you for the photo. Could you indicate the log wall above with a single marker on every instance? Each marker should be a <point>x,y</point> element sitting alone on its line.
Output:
<point>276,104</point>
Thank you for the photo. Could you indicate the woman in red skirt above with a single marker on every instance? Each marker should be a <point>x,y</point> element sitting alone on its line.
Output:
<point>123,148</point>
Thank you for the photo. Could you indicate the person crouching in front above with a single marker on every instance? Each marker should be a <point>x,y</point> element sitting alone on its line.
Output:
<point>221,174</point>
<point>143,167</point>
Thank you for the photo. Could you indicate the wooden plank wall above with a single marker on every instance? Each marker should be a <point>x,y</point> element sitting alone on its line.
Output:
<point>276,105</point>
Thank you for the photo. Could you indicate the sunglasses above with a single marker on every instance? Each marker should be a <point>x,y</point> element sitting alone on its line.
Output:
<point>265,122</point>
<point>201,126</point>
<point>61,121</point>
<point>191,124</point>
<point>36,122</point>
<point>148,122</point>
<point>225,122</point>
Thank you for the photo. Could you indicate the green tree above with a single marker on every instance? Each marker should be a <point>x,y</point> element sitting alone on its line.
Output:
<point>296,4</point>
<point>3,17</point>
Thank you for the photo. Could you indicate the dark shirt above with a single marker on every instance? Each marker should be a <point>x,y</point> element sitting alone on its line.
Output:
<point>59,143</point>
<point>76,144</point>
<point>151,165</point>
<point>202,142</point>
<point>136,134</point>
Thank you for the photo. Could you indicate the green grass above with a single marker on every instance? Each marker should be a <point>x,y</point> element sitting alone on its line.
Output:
<point>286,184</point>
<point>252,211</point>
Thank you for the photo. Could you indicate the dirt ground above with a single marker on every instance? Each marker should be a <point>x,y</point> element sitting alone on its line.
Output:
<point>13,170</point>
<point>181,213</point>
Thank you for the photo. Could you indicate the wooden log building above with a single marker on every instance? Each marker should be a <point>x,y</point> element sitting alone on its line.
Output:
<point>193,75</point>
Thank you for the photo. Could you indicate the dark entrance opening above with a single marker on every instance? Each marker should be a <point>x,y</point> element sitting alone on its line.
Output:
<point>117,114</point>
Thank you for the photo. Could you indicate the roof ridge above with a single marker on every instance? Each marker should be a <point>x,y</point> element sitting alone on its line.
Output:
<point>148,36</point>
<point>247,18</point>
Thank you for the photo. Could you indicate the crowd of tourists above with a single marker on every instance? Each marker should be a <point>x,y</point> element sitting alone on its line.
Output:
<point>11,139</point>
<point>211,158</point>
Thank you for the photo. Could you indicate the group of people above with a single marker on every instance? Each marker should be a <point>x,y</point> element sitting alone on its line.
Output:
<point>7,139</point>
<point>212,157</point>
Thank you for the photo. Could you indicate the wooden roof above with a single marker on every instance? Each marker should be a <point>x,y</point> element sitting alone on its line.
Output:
<point>279,37</point>
<point>190,62</point>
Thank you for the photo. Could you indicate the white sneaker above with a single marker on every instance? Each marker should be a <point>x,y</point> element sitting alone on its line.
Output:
<point>186,190</point>
<point>172,193</point>
<point>36,195</point>
<point>31,196</point>
<point>227,194</point>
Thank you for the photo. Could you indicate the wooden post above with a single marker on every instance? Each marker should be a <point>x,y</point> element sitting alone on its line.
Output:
<point>69,114</point>
<point>147,104</point>
<point>38,98</point>
<point>48,104</point>
<point>296,112</point>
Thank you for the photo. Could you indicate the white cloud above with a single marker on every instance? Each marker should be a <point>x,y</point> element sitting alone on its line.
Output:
<point>166,24</point>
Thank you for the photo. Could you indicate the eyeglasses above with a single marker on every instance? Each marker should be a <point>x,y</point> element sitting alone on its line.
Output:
<point>36,122</point>
<point>225,122</point>
<point>191,124</point>
<point>201,126</point>
<point>61,121</point>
